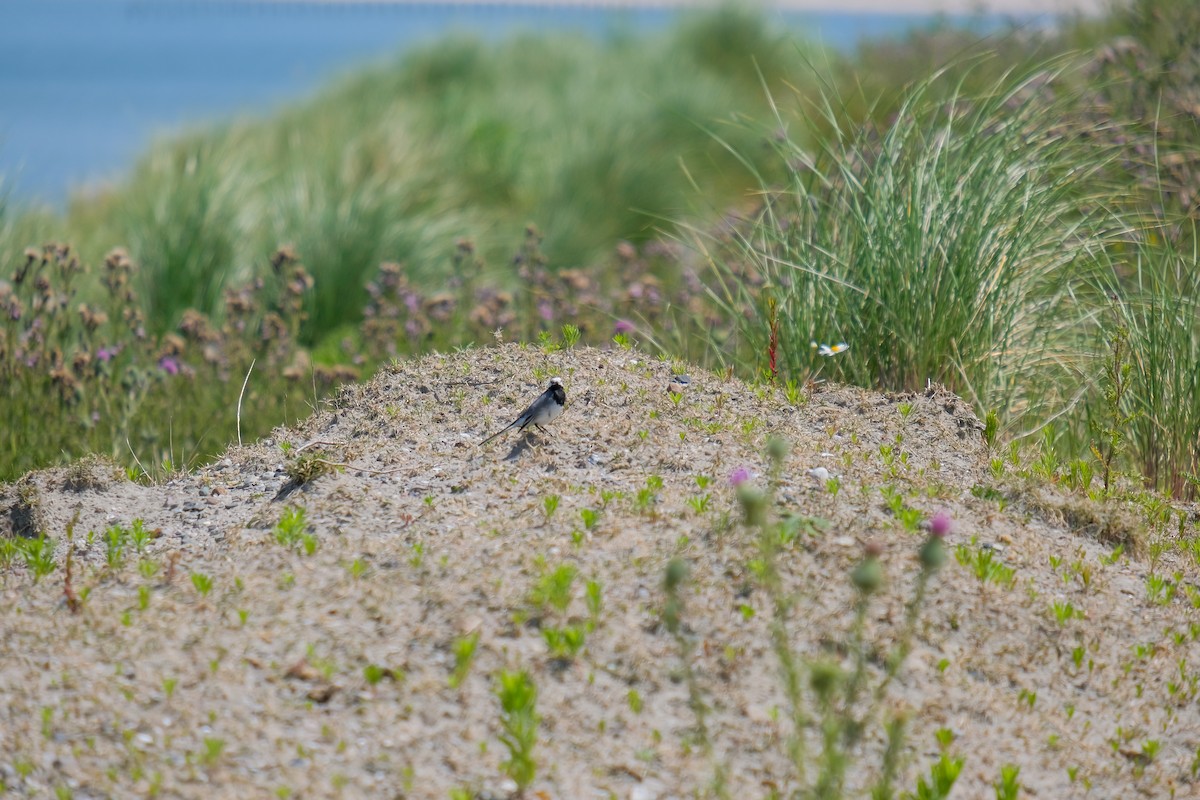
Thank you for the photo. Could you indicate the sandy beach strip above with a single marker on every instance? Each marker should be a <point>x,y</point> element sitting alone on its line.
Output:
<point>922,7</point>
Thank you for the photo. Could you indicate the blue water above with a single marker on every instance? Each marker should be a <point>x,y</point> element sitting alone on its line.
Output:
<point>86,84</point>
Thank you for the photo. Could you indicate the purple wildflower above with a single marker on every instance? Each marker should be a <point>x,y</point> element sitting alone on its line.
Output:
<point>106,354</point>
<point>739,476</point>
<point>623,327</point>
<point>940,524</point>
<point>169,365</point>
<point>545,310</point>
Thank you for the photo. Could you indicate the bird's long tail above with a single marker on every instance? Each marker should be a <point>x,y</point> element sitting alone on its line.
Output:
<point>505,429</point>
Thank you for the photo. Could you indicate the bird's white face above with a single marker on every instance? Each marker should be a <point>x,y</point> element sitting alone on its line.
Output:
<point>556,381</point>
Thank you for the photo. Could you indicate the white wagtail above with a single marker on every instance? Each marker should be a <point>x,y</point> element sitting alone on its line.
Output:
<point>546,408</point>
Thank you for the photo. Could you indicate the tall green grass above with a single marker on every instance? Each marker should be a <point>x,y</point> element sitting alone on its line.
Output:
<point>994,241</point>
<point>21,227</point>
<point>946,246</point>
<point>1155,291</point>
<point>185,223</point>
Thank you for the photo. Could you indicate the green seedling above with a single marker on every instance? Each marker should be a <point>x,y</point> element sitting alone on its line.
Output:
<point>590,517</point>
<point>38,555</point>
<point>1064,612</point>
<point>985,565</point>
<point>565,642</point>
<point>593,595</point>
<point>942,776</point>
<point>519,719</point>
<point>291,527</point>
<point>464,656</point>
<point>202,583</point>
<point>549,505</point>
<point>417,557</point>
<point>213,748</point>
<point>554,589</point>
<point>1008,787</point>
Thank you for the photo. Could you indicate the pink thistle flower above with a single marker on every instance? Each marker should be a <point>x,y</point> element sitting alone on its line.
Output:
<point>739,476</point>
<point>940,524</point>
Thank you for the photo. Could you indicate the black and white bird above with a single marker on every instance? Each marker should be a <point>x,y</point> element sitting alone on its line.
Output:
<point>546,408</point>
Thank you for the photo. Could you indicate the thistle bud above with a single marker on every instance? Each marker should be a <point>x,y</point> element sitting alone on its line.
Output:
<point>933,553</point>
<point>868,575</point>
<point>677,572</point>
<point>754,504</point>
<point>824,678</point>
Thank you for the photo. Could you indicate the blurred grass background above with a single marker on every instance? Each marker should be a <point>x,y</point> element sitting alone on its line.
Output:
<point>595,142</point>
<point>987,213</point>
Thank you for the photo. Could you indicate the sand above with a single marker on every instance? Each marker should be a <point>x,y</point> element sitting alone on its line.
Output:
<point>234,665</point>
